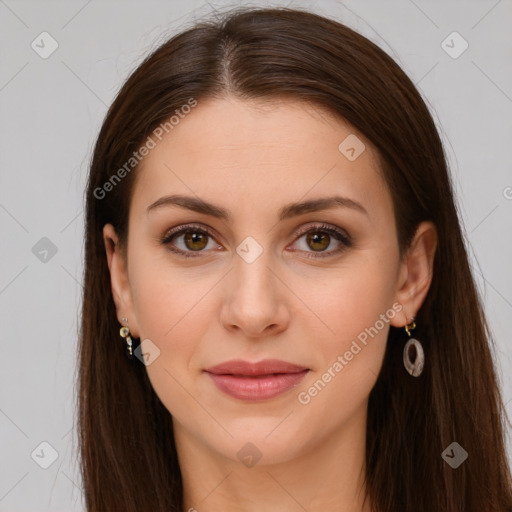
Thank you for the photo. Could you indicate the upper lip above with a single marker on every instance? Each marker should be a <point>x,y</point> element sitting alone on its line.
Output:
<point>265,367</point>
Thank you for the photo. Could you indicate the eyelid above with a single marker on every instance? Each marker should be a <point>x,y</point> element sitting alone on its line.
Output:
<point>183,227</point>
<point>322,226</point>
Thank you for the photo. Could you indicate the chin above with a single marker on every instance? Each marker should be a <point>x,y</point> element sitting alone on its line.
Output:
<point>259,447</point>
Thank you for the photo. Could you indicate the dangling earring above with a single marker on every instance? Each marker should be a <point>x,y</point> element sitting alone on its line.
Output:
<point>415,367</point>
<point>125,333</point>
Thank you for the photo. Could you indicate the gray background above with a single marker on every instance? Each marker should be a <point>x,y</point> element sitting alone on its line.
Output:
<point>51,111</point>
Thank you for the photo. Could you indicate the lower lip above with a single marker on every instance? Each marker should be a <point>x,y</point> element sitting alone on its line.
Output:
<point>257,388</point>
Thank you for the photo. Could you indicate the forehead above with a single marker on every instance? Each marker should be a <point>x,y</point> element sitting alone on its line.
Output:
<point>260,154</point>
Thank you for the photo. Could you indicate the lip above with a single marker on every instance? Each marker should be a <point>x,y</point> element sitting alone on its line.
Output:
<point>256,381</point>
<point>248,369</point>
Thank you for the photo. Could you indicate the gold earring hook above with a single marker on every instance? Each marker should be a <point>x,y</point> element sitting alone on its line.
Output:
<point>410,327</point>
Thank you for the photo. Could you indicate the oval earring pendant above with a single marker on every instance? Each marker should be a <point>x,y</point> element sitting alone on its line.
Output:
<point>414,367</point>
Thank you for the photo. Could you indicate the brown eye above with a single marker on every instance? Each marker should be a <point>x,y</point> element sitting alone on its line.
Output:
<point>195,240</point>
<point>318,241</point>
<point>189,241</point>
<point>315,241</point>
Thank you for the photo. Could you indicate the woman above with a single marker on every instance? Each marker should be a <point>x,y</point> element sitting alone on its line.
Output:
<point>272,241</point>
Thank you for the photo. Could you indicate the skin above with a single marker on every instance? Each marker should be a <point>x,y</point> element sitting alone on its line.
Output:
<point>252,159</point>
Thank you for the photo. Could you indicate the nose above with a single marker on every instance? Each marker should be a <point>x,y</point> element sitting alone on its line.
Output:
<point>255,299</point>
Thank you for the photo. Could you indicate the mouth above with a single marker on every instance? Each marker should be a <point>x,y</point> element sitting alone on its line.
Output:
<point>256,381</point>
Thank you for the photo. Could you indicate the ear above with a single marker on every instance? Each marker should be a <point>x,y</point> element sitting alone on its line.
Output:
<point>415,273</point>
<point>119,283</point>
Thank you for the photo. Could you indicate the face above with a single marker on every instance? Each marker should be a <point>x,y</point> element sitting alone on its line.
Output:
<point>317,286</point>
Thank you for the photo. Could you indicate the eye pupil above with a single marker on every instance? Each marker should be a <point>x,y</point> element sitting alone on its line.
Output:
<point>199,240</point>
<point>320,239</point>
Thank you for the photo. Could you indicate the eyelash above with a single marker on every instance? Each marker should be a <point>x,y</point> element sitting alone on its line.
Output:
<point>340,235</point>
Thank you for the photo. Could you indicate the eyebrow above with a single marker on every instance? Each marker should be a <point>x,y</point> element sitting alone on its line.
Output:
<point>288,211</point>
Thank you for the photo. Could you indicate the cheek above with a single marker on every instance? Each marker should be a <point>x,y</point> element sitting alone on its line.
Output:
<point>349,299</point>
<point>170,305</point>
<point>352,314</point>
<point>168,309</point>
<point>165,297</point>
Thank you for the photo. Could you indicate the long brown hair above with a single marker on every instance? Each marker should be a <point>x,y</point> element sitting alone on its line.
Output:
<point>128,456</point>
